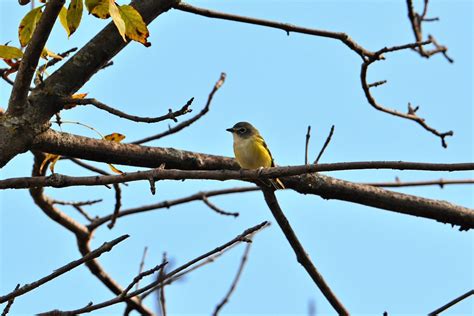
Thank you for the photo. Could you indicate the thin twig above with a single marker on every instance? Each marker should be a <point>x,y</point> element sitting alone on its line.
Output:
<point>411,115</point>
<point>343,37</point>
<point>300,252</point>
<point>452,303</point>
<point>440,182</point>
<point>140,276</point>
<point>118,204</point>
<point>142,265</point>
<point>169,203</point>
<point>170,115</point>
<point>161,290</point>
<point>217,209</point>
<point>326,143</point>
<point>306,145</point>
<point>236,280</point>
<point>68,267</point>
<point>186,123</point>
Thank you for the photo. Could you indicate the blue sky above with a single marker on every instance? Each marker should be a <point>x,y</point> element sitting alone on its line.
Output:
<point>374,260</point>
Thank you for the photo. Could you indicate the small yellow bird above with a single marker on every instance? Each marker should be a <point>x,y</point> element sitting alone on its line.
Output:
<point>251,151</point>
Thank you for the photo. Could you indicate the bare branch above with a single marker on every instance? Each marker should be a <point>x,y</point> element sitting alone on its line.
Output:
<point>152,157</point>
<point>416,21</point>
<point>167,204</point>
<point>170,115</point>
<point>300,252</point>
<point>452,303</point>
<point>411,115</point>
<point>161,290</point>
<point>29,62</point>
<point>440,182</point>
<point>236,280</point>
<point>154,285</point>
<point>326,143</point>
<point>6,310</point>
<point>118,204</point>
<point>343,37</point>
<point>107,246</point>
<point>217,209</point>
<point>186,123</point>
<point>141,275</point>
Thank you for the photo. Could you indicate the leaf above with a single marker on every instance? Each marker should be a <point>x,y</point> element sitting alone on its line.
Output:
<point>10,52</point>
<point>117,18</point>
<point>28,25</point>
<point>63,19</point>
<point>116,138</point>
<point>135,28</point>
<point>52,158</point>
<point>45,53</point>
<point>74,15</point>
<point>98,8</point>
<point>75,96</point>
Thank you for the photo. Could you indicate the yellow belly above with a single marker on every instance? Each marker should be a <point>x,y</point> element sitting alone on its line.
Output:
<point>252,154</point>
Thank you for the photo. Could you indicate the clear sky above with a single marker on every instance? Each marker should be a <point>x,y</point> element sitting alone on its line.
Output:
<point>374,260</point>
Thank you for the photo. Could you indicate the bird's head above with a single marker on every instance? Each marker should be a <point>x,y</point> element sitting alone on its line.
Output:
<point>243,130</point>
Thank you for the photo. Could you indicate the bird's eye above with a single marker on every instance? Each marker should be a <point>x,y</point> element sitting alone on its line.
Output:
<point>242,130</point>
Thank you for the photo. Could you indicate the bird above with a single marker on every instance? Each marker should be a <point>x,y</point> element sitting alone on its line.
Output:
<point>251,151</point>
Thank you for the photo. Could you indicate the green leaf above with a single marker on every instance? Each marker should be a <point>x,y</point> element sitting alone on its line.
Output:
<point>28,25</point>
<point>74,15</point>
<point>10,52</point>
<point>135,28</point>
<point>98,8</point>
<point>63,20</point>
<point>117,18</point>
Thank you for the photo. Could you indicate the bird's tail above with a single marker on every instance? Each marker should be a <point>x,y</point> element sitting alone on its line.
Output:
<point>277,184</point>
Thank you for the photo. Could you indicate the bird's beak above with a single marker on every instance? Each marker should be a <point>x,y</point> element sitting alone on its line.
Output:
<point>230,130</point>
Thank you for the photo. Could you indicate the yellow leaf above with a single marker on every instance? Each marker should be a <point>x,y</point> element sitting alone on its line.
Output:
<point>135,28</point>
<point>63,19</point>
<point>115,137</point>
<point>98,8</point>
<point>52,158</point>
<point>10,52</point>
<point>28,25</point>
<point>112,167</point>
<point>117,18</point>
<point>75,96</point>
<point>74,15</point>
<point>45,53</point>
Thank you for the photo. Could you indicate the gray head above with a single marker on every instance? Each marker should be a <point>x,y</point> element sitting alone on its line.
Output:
<point>243,130</point>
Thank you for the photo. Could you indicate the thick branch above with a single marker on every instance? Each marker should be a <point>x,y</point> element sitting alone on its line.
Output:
<point>324,186</point>
<point>152,157</point>
<point>30,59</point>
<point>66,268</point>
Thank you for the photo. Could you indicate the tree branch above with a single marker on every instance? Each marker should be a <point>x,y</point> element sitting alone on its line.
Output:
<point>171,115</point>
<point>154,285</point>
<point>452,303</point>
<point>186,123</point>
<point>29,62</point>
<point>300,252</point>
<point>343,37</point>
<point>107,246</point>
<point>236,280</point>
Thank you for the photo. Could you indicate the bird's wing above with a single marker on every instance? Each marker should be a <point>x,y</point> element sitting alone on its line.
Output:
<point>262,141</point>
